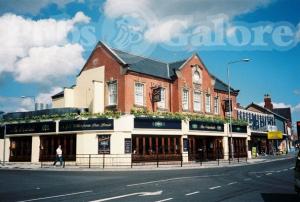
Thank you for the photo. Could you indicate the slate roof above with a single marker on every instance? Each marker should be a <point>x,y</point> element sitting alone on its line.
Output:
<point>144,65</point>
<point>285,112</point>
<point>157,68</point>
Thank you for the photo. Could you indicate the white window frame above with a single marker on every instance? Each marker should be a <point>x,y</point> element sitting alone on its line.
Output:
<point>197,103</point>
<point>139,94</point>
<point>185,99</point>
<point>112,91</point>
<point>162,103</point>
<point>216,105</point>
<point>208,103</point>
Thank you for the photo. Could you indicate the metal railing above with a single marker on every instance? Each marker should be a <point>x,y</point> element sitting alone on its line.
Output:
<point>133,160</point>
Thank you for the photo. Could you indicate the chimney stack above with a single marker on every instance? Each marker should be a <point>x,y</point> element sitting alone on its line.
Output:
<point>268,102</point>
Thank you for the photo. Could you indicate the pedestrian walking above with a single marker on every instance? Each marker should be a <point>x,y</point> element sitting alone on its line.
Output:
<point>59,156</point>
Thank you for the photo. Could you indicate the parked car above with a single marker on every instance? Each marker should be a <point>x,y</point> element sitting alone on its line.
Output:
<point>297,174</point>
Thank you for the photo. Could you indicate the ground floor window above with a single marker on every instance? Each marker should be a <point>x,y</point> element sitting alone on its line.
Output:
<point>103,144</point>
<point>20,149</point>
<point>49,144</point>
<point>205,148</point>
<point>239,147</point>
<point>151,147</point>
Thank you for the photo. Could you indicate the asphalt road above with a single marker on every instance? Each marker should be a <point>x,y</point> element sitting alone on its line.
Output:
<point>267,182</point>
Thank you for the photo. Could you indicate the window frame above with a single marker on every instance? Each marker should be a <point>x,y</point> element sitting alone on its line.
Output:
<point>183,103</point>
<point>199,101</point>
<point>208,100</point>
<point>142,93</point>
<point>109,93</point>
<point>162,104</point>
<point>216,105</point>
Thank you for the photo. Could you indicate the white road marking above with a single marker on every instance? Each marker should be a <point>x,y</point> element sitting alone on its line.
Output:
<point>285,170</point>
<point>167,199</point>
<point>278,171</point>
<point>196,192</point>
<point>231,183</point>
<point>269,174</point>
<point>217,187</point>
<point>127,195</point>
<point>292,168</point>
<point>258,176</point>
<point>57,196</point>
<point>172,179</point>
<point>247,179</point>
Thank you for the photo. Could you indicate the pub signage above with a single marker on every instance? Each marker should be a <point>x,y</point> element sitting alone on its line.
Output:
<point>127,146</point>
<point>90,124</point>
<point>28,128</point>
<point>156,94</point>
<point>157,123</point>
<point>206,126</point>
<point>239,129</point>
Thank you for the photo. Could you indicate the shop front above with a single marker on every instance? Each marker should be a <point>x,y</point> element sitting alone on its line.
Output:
<point>20,149</point>
<point>260,144</point>
<point>49,144</point>
<point>205,148</point>
<point>240,147</point>
<point>157,146</point>
<point>239,143</point>
<point>20,136</point>
<point>206,143</point>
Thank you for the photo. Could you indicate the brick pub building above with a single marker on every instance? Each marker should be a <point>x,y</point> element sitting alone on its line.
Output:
<point>119,81</point>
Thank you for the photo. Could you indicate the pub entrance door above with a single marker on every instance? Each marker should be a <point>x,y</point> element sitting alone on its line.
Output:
<point>49,144</point>
<point>204,148</point>
<point>20,149</point>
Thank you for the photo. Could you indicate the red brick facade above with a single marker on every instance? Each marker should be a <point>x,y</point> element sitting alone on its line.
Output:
<point>101,57</point>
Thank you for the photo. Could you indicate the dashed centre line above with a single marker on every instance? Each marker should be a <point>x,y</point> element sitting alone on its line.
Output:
<point>231,183</point>
<point>167,199</point>
<point>217,187</point>
<point>247,179</point>
<point>269,173</point>
<point>196,192</point>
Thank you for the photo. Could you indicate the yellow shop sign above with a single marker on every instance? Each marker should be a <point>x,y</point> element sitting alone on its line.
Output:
<point>275,135</point>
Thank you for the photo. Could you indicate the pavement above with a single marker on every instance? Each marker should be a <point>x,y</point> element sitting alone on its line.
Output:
<point>147,166</point>
<point>267,180</point>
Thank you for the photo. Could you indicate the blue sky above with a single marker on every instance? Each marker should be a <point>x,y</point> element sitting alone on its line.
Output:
<point>47,42</point>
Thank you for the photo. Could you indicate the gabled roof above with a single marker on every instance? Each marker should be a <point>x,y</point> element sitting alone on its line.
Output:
<point>160,69</point>
<point>58,95</point>
<point>265,110</point>
<point>285,112</point>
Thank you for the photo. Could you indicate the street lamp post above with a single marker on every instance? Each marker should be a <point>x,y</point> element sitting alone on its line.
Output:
<point>229,102</point>
<point>4,145</point>
<point>33,98</point>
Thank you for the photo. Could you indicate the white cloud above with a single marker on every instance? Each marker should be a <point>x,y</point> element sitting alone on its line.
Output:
<point>296,108</point>
<point>18,104</point>
<point>45,97</point>
<point>298,33</point>
<point>296,91</point>
<point>281,105</point>
<point>29,49</point>
<point>277,105</point>
<point>163,16</point>
<point>47,64</point>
